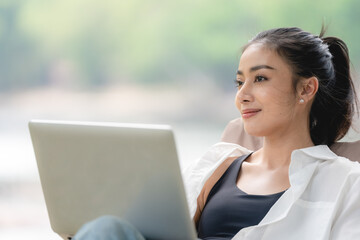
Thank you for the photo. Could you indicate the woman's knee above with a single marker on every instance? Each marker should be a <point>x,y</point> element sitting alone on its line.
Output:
<point>109,228</point>
<point>108,222</point>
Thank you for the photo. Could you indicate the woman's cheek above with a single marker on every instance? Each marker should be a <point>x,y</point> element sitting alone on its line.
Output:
<point>237,101</point>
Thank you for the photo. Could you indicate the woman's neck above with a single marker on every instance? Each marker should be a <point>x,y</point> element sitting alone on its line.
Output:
<point>276,150</point>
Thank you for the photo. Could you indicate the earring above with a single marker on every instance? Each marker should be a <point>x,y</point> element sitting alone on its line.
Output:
<point>302,100</point>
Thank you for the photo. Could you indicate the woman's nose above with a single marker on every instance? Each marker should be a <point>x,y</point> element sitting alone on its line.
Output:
<point>244,93</point>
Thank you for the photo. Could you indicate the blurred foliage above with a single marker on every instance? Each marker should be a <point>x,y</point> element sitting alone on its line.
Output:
<point>88,43</point>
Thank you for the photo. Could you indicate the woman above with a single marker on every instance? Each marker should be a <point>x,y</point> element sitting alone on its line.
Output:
<point>295,90</point>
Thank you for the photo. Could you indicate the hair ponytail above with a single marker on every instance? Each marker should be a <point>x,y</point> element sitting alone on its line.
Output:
<point>343,90</point>
<point>333,108</point>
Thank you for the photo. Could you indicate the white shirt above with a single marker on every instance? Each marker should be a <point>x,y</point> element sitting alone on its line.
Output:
<point>323,201</point>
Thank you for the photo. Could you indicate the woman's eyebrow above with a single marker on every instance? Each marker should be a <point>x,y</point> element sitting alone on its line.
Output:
<point>255,68</point>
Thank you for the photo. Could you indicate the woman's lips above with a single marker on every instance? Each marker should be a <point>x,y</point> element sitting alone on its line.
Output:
<point>248,113</point>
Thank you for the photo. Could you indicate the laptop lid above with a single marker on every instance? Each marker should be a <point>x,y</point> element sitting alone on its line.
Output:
<point>128,170</point>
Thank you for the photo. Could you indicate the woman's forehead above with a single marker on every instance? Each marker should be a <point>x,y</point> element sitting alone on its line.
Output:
<point>257,54</point>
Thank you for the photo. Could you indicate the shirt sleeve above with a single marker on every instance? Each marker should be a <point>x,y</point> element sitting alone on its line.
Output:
<point>347,222</point>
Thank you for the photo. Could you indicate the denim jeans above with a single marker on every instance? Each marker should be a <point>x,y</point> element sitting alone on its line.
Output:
<point>108,228</point>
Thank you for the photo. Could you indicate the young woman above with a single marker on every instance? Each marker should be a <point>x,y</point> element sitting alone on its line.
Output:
<point>295,90</point>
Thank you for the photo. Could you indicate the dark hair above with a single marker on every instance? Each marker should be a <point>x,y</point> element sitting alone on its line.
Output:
<point>327,59</point>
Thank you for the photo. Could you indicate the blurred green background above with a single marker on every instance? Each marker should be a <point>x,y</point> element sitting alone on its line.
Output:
<point>156,61</point>
<point>90,44</point>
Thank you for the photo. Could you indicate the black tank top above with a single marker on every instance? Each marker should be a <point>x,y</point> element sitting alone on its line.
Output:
<point>228,209</point>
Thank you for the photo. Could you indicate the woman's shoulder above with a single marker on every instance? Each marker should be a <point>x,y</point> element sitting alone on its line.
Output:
<point>345,164</point>
<point>217,154</point>
<point>344,170</point>
<point>352,166</point>
<point>340,169</point>
<point>330,167</point>
<point>326,156</point>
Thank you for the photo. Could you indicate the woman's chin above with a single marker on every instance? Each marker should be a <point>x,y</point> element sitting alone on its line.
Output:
<point>254,131</point>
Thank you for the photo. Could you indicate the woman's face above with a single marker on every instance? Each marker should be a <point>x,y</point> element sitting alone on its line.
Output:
<point>265,98</point>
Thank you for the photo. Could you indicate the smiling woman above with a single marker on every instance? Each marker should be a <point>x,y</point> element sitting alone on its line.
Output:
<point>320,75</point>
<point>265,93</point>
<point>295,91</point>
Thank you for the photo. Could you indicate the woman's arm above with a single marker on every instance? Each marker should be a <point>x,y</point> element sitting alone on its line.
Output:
<point>347,222</point>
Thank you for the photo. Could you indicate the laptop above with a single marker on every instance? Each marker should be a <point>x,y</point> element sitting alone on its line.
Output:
<point>90,169</point>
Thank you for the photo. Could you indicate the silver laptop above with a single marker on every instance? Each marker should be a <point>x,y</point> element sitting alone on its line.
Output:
<point>128,170</point>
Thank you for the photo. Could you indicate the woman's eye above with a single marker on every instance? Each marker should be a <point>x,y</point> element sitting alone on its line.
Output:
<point>260,78</point>
<point>238,83</point>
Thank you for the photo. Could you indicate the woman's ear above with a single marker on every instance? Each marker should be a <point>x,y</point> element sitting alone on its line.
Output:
<point>308,88</point>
